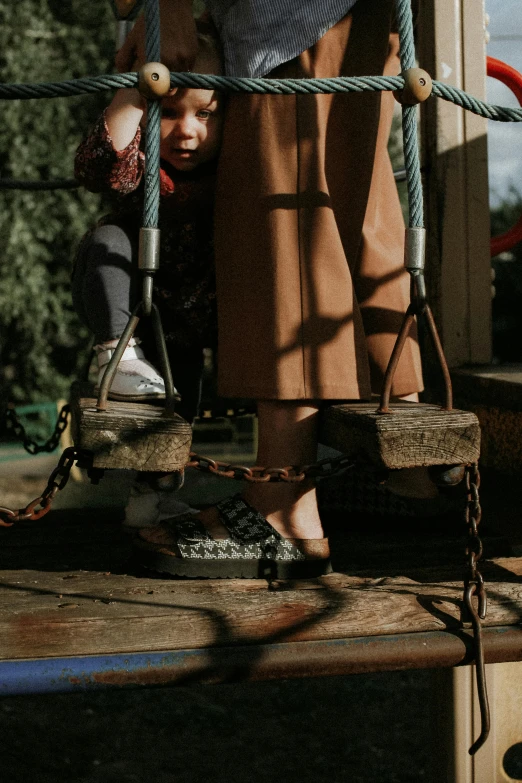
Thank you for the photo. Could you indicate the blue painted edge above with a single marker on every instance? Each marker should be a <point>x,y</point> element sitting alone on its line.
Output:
<point>231,664</point>
<point>95,672</point>
<point>63,675</point>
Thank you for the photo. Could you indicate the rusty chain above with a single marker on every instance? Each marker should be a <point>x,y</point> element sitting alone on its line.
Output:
<point>41,505</point>
<point>474,588</point>
<point>256,474</point>
<point>30,445</point>
<point>261,475</point>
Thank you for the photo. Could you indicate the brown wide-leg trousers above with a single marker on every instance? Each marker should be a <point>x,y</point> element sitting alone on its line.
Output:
<point>309,230</point>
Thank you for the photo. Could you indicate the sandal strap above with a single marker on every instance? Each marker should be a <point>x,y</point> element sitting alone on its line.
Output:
<point>244,523</point>
<point>252,537</point>
<point>189,529</point>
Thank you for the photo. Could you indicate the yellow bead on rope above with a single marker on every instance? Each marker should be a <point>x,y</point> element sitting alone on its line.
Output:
<point>417,87</point>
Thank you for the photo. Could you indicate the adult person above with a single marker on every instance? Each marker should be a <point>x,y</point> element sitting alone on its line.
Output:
<point>309,238</point>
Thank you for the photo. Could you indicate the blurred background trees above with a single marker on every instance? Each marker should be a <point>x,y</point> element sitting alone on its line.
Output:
<point>42,345</point>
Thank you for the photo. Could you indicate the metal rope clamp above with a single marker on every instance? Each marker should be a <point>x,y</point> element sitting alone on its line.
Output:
<point>148,263</point>
<point>414,260</point>
<point>414,255</point>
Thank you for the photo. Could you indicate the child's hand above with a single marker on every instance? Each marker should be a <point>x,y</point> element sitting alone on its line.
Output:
<point>179,45</point>
<point>123,115</point>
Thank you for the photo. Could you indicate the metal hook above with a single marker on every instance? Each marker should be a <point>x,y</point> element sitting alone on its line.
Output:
<point>480,669</point>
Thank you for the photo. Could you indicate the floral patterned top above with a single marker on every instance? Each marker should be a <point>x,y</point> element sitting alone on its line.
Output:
<point>184,285</point>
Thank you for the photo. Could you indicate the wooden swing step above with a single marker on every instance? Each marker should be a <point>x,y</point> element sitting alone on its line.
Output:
<point>130,435</point>
<point>412,435</point>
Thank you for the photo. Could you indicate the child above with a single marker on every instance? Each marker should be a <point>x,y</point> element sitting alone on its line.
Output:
<point>106,281</point>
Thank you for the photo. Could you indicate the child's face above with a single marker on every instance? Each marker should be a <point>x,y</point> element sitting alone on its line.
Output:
<point>191,125</point>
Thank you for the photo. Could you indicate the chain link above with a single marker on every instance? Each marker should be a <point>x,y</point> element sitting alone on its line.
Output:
<point>261,475</point>
<point>41,505</point>
<point>30,445</point>
<point>474,587</point>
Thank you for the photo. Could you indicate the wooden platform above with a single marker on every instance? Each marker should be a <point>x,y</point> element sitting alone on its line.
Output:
<point>494,394</point>
<point>68,588</point>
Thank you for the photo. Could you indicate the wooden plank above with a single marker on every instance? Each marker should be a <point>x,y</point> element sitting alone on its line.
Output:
<point>134,436</point>
<point>451,49</point>
<point>413,434</point>
<point>37,623</point>
<point>494,394</point>
<point>495,385</point>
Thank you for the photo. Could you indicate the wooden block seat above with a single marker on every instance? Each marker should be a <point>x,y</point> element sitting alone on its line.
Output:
<point>413,434</point>
<point>135,436</point>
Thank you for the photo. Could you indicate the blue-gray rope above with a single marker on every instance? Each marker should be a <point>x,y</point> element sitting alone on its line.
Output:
<point>409,119</point>
<point>152,137</point>
<point>340,84</point>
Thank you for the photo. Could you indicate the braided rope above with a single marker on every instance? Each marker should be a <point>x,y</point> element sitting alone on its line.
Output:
<point>68,88</point>
<point>152,166</point>
<point>409,119</point>
<point>341,84</point>
<point>152,31</point>
<point>405,28</point>
<point>152,137</point>
<point>475,105</point>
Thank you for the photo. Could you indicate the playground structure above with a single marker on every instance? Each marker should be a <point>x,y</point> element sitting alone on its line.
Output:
<point>343,624</point>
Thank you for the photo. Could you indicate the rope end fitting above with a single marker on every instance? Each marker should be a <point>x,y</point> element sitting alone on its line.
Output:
<point>154,81</point>
<point>415,248</point>
<point>148,263</point>
<point>414,260</point>
<point>417,87</point>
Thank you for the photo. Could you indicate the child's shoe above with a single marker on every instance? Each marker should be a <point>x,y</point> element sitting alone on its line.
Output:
<point>136,379</point>
<point>147,507</point>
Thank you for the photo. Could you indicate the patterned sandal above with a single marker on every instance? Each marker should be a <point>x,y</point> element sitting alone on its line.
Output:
<point>255,550</point>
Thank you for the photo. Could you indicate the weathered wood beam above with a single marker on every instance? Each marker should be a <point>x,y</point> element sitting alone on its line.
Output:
<point>451,47</point>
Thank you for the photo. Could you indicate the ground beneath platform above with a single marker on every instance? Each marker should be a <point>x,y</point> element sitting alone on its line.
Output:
<point>360,729</point>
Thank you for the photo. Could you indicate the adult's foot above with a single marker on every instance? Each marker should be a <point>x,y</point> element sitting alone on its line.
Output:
<point>287,436</point>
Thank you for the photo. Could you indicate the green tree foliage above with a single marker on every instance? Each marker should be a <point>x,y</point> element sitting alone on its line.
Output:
<point>42,344</point>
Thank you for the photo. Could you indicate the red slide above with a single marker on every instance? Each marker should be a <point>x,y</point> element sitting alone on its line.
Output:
<point>512,79</point>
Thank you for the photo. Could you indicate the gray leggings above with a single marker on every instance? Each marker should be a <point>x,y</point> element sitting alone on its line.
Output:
<point>105,288</point>
<point>105,281</point>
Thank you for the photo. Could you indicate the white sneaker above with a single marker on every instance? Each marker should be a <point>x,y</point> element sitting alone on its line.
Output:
<point>146,507</point>
<point>136,379</point>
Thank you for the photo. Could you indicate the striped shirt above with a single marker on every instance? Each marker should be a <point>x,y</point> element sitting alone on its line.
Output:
<point>258,35</point>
